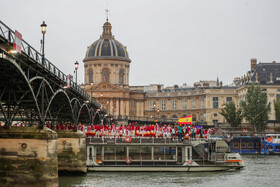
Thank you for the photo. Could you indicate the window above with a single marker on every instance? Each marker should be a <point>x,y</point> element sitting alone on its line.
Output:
<point>215,102</point>
<point>163,117</point>
<point>90,76</point>
<point>193,103</point>
<point>163,105</point>
<point>132,103</point>
<point>174,117</point>
<point>105,75</point>
<point>184,103</point>
<point>229,99</point>
<point>277,96</point>
<point>151,104</point>
<point>201,102</point>
<point>121,76</point>
<point>174,104</point>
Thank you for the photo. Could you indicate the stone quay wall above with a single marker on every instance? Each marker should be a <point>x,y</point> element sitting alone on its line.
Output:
<point>28,157</point>
<point>71,149</point>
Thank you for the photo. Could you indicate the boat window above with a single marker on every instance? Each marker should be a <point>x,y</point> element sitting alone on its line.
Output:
<point>170,153</point>
<point>243,144</point>
<point>121,153</point>
<point>134,152</point>
<point>109,153</point>
<point>90,153</point>
<point>146,153</point>
<point>235,144</point>
<point>158,153</point>
<point>250,144</point>
<point>98,153</point>
<point>258,145</point>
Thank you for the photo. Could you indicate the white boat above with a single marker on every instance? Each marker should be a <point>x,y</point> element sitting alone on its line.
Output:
<point>154,154</point>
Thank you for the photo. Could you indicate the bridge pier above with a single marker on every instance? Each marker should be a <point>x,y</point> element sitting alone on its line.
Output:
<point>28,157</point>
<point>71,149</point>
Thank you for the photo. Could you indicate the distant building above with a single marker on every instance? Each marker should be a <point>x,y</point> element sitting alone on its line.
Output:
<point>107,65</point>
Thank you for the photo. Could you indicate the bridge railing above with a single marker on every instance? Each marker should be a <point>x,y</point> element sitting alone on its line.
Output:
<point>37,57</point>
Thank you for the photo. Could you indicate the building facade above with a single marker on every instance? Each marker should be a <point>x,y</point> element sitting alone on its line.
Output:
<point>107,65</point>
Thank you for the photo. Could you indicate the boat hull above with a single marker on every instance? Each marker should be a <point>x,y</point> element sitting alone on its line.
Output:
<point>163,168</point>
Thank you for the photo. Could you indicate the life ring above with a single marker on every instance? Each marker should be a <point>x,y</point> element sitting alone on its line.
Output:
<point>189,162</point>
<point>128,139</point>
<point>128,160</point>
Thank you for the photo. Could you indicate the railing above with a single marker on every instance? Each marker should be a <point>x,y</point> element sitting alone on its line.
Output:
<point>37,57</point>
<point>136,140</point>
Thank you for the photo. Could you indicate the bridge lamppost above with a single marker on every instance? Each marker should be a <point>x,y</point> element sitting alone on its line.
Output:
<point>76,69</point>
<point>154,110</point>
<point>43,30</point>
<point>158,113</point>
<point>91,85</point>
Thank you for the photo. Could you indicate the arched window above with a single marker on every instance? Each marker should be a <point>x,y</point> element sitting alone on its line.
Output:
<point>184,115</point>
<point>174,117</point>
<point>90,76</point>
<point>163,117</point>
<point>121,76</point>
<point>105,75</point>
<point>193,117</point>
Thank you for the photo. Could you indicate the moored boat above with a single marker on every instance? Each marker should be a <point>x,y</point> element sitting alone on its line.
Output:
<point>160,154</point>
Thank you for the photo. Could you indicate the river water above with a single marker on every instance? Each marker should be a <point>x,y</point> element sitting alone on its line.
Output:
<point>261,170</point>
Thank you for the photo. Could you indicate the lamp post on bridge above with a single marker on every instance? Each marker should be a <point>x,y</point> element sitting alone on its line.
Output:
<point>76,69</point>
<point>43,30</point>
<point>154,110</point>
<point>158,113</point>
<point>91,85</point>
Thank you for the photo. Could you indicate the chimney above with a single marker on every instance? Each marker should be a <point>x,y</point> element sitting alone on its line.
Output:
<point>158,88</point>
<point>253,64</point>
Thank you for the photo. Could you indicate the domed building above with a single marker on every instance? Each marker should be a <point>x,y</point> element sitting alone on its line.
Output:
<point>107,60</point>
<point>106,67</point>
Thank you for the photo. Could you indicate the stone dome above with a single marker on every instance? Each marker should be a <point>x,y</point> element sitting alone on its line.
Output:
<point>107,47</point>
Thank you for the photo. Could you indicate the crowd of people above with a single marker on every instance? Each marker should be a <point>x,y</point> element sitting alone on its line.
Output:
<point>151,130</point>
<point>157,130</point>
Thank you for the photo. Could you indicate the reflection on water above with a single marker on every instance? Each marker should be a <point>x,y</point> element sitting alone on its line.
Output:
<point>260,171</point>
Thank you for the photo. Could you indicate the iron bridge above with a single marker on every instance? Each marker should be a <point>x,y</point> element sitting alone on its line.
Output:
<point>34,91</point>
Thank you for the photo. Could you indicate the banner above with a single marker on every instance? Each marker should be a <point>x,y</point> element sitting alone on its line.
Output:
<point>17,44</point>
<point>185,120</point>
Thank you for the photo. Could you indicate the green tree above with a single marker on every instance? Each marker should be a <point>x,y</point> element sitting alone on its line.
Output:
<point>255,108</point>
<point>277,109</point>
<point>232,115</point>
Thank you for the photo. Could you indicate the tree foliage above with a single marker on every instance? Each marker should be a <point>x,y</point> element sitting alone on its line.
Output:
<point>277,109</point>
<point>255,108</point>
<point>231,114</point>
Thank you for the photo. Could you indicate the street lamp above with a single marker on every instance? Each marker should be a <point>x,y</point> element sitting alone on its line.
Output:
<point>43,30</point>
<point>154,110</point>
<point>91,85</point>
<point>76,69</point>
<point>158,113</point>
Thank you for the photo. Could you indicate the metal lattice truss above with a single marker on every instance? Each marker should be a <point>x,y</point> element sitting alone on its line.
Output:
<point>34,92</point>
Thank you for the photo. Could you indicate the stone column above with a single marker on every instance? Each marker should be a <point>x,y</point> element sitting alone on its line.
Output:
<point>111,107</point>
<point>117,107</point>
<point>127,108</point>
<point>122,108</point>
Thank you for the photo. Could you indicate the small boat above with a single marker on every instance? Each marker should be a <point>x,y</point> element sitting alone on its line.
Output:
<point>160,154</point>
<point>270,144</point>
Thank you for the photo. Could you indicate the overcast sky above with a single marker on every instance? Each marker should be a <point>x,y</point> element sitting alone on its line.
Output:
<point>169,41</point>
